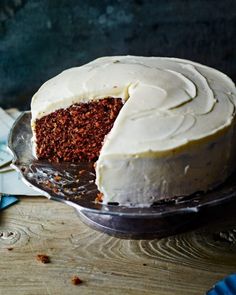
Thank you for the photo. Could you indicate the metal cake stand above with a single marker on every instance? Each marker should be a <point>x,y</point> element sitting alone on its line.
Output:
<point>74,185</point>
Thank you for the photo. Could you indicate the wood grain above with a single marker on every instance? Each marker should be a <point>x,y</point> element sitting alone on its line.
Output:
<point>185,264</point>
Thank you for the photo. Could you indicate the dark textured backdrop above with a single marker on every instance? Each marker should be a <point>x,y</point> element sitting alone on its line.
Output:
<point>40,38</point>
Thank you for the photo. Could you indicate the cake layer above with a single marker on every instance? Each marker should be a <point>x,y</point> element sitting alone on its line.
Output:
<point>175,134</point>
<point>76,133</point>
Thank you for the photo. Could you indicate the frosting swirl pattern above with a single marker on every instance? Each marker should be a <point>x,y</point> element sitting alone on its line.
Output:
<point>181,100</point>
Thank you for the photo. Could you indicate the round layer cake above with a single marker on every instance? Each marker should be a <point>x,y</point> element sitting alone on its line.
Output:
<point>158,128</point>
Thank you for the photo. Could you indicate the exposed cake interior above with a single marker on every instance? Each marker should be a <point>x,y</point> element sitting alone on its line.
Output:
<point>77,132</point>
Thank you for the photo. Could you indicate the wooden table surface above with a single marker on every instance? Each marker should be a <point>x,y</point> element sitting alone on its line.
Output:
<point>188,263</point>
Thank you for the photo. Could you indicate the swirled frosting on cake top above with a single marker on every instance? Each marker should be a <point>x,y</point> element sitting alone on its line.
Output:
<point>168,102</point>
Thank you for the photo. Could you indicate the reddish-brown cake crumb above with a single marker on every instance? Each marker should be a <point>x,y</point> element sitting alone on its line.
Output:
<point>10,249</point>
<point>57,178</point>
<point>75,280</point>
<point>99,197</point>
<point>76,133</point>
<point>82,172</point>
<point>43,258</point>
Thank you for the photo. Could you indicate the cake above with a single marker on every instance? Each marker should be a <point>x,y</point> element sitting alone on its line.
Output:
<point>157,128</point>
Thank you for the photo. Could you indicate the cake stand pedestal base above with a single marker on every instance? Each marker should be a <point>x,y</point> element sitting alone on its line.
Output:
<point>139,228</point>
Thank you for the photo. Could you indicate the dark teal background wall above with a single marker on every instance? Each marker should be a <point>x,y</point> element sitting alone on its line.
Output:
<point>40,38</point>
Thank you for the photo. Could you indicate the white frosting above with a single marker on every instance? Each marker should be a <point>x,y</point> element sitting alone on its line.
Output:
<point>173,109</point>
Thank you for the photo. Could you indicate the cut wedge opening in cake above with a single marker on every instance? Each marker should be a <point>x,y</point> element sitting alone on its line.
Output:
<point>76,133</point>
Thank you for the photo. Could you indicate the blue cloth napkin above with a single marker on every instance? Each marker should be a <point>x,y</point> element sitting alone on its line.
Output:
<point>7,201</point>
<point>227,286</point>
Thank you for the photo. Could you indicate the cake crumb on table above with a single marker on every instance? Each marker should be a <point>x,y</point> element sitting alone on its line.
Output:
<point>75,280</point>
<point>43,258</point>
